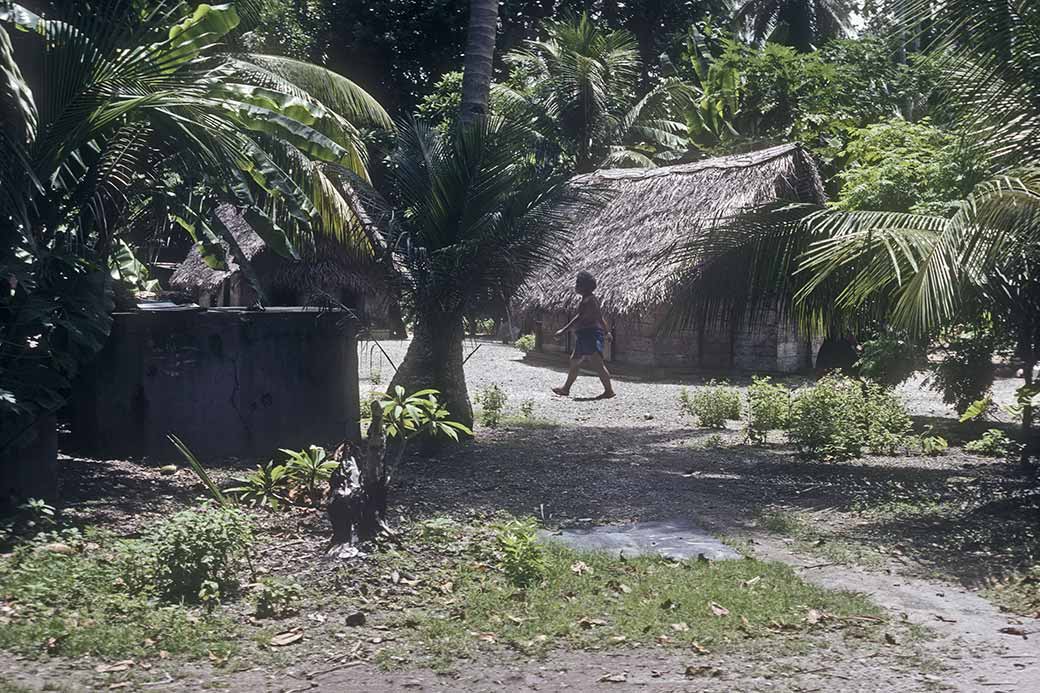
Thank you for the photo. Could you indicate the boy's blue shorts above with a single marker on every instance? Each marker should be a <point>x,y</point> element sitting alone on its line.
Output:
<point>589,341</point>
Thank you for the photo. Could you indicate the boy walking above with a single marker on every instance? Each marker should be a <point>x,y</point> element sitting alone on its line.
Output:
<point>590,330</point>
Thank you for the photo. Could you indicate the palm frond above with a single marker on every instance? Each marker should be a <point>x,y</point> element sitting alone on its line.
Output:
<point>333,90</point>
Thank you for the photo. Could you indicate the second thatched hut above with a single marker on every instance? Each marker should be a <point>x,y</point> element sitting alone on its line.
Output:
<point>649,213</point>
<point>326,274</point>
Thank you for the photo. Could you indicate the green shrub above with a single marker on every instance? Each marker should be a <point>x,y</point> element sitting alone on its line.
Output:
<point>527,408</point>
<point>838,417</point>
<point>521,558</point>
<point>492,401</point>
<point>712,404</point>
<point>888,359</point>
<point>194,556</point>
<point>76,602</point>
<point>276,598</point>
<point>966,372</point>
<point>886,419</point>
<point>525,344</point>
<point>768,408</point>
<point>993,443</point>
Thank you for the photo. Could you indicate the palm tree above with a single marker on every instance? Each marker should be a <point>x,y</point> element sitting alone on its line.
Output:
<point>467,219</point>
<point>480,52</point>
<point>917,271</point>
<point>104,104</point>
<point>579,94</point>
<point>798,23</point>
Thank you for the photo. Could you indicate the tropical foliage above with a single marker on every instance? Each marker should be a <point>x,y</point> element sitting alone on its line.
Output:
<point>577,88</point>
<point>927,272</point>
<point>798,23</point>
<point>105,109</point>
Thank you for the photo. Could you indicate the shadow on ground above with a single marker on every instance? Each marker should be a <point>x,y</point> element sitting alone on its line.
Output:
<point>958,515</point>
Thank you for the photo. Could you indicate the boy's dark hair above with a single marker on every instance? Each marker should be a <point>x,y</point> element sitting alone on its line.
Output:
<point>586,281</point>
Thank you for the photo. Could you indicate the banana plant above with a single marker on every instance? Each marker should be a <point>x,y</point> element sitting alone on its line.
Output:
<point>114,103</point>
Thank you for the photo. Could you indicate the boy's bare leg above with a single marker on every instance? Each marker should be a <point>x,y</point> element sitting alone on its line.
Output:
<point>604,375</point>
<point>572,375</point>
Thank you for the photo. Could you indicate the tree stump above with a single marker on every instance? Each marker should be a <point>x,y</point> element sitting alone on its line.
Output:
<point>358,490</point>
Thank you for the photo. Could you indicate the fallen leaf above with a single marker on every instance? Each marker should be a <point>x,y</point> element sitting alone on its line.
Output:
<point>447,587</point>
<point>813,617</point>
<point>750,583</point>
<point>121,684</point>
<point>513,619</point>
<point>718,609</point>
<point>1016,630</point>
<point>680,627</point>
<point>699,649</point>
<point>693,671</point>
<point>395,577</point>
<point>287,638</point>
<point>669,605</point>
<point>587,623</point>
<point>613,678</point>
<point>117,666</point>
<point>580,568</point>
<point>486,636</point>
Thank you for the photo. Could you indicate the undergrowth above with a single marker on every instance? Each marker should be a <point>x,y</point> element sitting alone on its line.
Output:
<point>64,594</point>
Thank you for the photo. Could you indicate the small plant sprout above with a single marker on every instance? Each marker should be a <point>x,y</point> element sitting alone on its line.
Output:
<point>492,401</point>
<point>992,443</point>
<point>407,416</point>
<point>309,471</point>
<point>267,487</point>
<point>527,408</point>
<point>276,598</point>
<point>521,558</point>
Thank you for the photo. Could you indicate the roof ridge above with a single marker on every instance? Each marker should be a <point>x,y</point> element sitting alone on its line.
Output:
<point>729,161</point>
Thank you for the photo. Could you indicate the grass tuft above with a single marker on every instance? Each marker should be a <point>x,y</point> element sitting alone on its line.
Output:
<point>592,600</point>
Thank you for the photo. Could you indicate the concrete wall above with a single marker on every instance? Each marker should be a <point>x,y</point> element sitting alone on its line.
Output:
<point>768,345</point>
<point>228,382</point>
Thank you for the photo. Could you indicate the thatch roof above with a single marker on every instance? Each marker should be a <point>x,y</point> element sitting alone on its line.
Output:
<point>649,212</point>
<point>193,274</point>
<point>327,268</point>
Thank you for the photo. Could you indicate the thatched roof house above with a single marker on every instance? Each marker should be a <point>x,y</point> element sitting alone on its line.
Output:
<point>650,212</point>
<point>326,271</point>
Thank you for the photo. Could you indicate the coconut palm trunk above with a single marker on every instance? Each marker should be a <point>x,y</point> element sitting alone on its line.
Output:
<point>434,360</point>
<point>480,53</point>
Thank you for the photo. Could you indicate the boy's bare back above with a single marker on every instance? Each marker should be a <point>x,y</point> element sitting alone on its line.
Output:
<point>589,313</point>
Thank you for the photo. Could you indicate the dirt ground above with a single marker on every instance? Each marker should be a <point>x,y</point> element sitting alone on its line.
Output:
<point>922,536</point>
